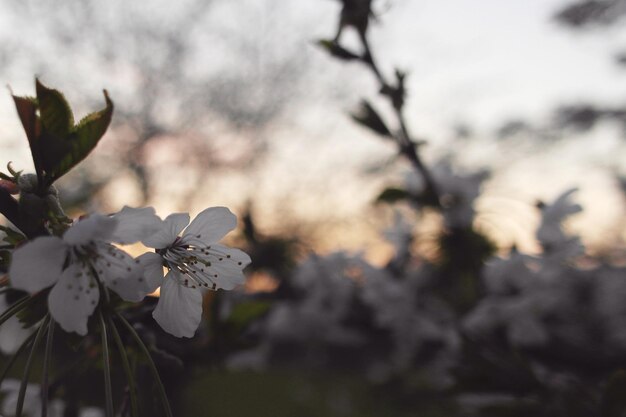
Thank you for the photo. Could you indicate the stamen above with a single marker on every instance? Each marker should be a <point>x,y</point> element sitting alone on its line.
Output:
<point>193,258</point>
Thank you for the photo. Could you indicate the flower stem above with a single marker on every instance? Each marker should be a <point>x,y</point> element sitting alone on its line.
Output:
<point>404,141</point>
<point>152,366</point>
<point>107,367</point>
<point>134,410</point>
<point>46,369</point>
<point>15,356</point>
<point>29,362</point>
<point>14,309</point>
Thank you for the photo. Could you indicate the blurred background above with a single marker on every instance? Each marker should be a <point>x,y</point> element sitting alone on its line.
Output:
<point>231,103</point>
<point>234,103</point>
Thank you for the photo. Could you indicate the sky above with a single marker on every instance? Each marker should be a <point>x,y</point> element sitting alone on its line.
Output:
<point>468,64</point>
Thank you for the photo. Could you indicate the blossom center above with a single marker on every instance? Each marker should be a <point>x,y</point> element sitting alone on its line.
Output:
<point>195,261</point>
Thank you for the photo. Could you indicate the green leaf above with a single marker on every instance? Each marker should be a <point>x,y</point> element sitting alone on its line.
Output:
<point>337,51</point>
<point>80,141</point>
<point>12,237</point>
<point>54,111</point>
<point>27,111</point>
<point>369,118</point>
<point>57,145</point>
<point>391,195</point>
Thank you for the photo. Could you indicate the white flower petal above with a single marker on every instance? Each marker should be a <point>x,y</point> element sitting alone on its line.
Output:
<point>228,265</point>
<point>37,264</point>
<point>121,272</point>
<point>12,333</point>
<point>135,224</point>
<point>236,256</point>
<point>94,227</point>
<point>212,224</point>
<point>73,299</point>
<point>152,264</point>
<point>170,228</point>
<point>179,309</point>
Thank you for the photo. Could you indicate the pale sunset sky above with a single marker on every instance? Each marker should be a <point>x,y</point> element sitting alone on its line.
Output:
<point>477,64</point>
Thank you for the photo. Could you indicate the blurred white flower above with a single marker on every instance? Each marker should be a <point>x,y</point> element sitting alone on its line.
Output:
<point>74,264</point>
<point>457,192</point>
<point>326,287</point>
<point>509,275</point>
<point>550,231</point>
<point>414,323</point>
<point>519,300</point>
<point>12,334</point>
<point>557,246</point>
<point>608,303</point>
<point>196,262</point>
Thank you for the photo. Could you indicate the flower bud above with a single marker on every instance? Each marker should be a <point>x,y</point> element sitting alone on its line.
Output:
<point>27,183</point>
<point>32,206</point>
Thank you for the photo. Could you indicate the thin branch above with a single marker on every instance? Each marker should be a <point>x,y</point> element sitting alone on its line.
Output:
<point>107,367</point>
<point>46,369</point>
<point>18,352</point>
<point>134,409</point>
<point>152,366</point>
<point>406,144</point>
<point>29,362</point>
<point>15,308</point>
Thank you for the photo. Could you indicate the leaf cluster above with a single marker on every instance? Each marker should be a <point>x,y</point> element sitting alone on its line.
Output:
<point>56,142</point>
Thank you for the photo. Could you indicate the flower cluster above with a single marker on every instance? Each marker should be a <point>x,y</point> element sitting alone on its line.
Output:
<point>83,264</point>
<point>76,274</point>
<point>345,314</point>
<point>541,331</point>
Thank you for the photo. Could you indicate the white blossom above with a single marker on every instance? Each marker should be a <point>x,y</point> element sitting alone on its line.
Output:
<point>558,247</point>
<point>84,256</point>
<point>457,192</point>
<point>196,262</point>
<point>550,231</point>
